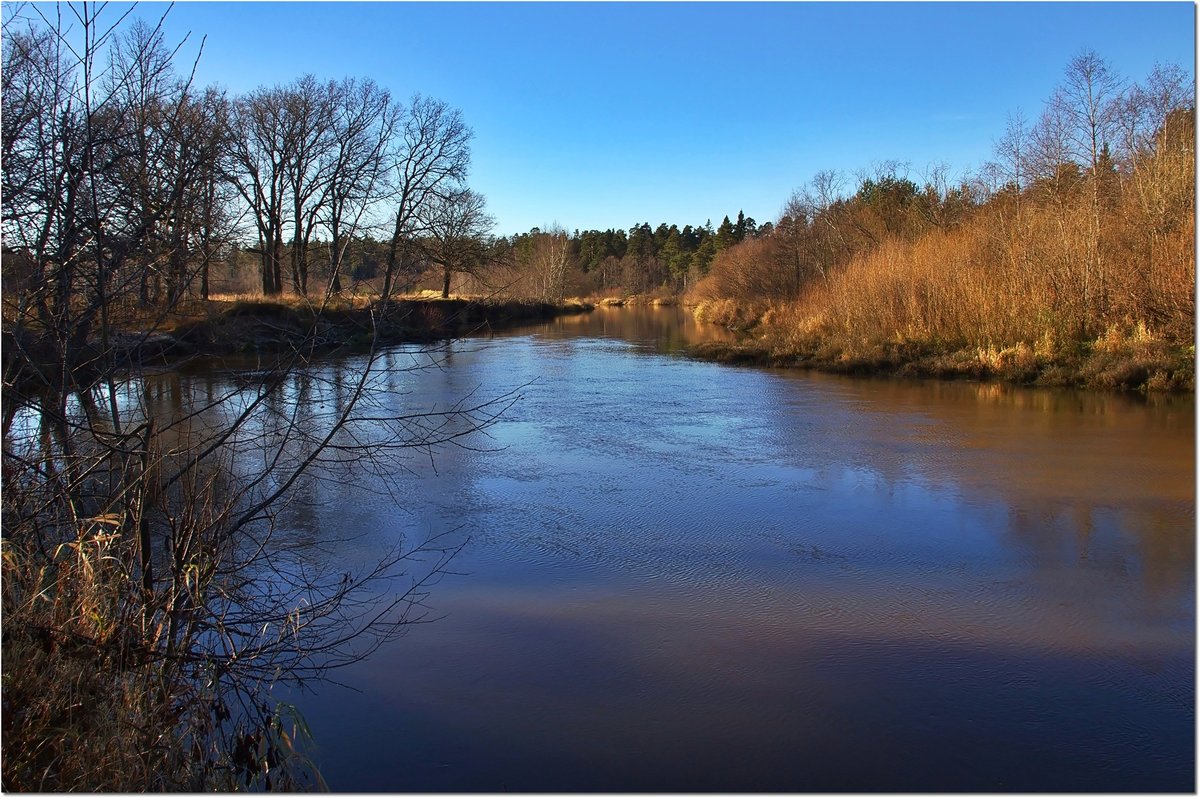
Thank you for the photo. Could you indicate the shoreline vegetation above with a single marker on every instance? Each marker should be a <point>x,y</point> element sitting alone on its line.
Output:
<point>1130,358</point>
<point>254,325</point>
<point>1122,359</point>
<point>1068,261</point>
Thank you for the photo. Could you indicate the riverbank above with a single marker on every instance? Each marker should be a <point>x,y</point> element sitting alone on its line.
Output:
<point>634,300</point>
<point>1126,358</point>
<point>248,327</point>
<point>218,328</point>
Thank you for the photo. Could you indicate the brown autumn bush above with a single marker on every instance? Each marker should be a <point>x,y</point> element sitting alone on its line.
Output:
<point>750,271</point>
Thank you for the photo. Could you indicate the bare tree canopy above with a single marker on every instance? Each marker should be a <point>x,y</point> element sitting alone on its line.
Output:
<point>458,227</point>
<point>430,164</point>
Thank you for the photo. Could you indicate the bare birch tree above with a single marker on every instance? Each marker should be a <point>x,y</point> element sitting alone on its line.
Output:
<point>549,261</point>
<point>1087,103</point>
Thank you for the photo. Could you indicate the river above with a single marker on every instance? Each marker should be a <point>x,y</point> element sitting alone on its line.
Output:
<point>686,576</point>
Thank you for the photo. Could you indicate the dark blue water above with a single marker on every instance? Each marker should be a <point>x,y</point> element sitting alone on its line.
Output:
<point>685,576</point>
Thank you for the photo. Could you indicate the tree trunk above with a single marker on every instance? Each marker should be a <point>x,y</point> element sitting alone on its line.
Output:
<point>389,275</point>
<point>335,257</point>
<point>277,264</point>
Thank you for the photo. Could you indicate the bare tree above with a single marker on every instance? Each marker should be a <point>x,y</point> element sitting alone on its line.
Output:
<point>1012,152</point>
<point>364,123</point>
<point>213,214</point>
<point>139,82</point>
<point>41,176</point>
<point>458,225</point>
<point>1086,101</point>
<point>816,238</point>
<point>261,150</point>
<point>1085,108</point>
<point>795,237</point>
<point>430,163</point>
<point>176,139</point>
<point>1143,117</point>
<point>548,262</point>
<point>309,115</point>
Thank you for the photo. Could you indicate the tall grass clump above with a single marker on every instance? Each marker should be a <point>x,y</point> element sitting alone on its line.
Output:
<point>102,689</point>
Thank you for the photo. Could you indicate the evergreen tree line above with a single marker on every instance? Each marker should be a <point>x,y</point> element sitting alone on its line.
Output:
<point>642,259</point>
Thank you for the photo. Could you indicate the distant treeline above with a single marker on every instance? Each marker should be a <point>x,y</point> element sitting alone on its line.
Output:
<point>645,259</point>
<point>552,263</point>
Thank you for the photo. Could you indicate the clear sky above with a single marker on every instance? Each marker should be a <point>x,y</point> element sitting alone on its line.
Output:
<point>601,115</point>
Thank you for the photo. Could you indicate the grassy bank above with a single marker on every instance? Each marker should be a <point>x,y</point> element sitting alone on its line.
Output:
<point>1128,357</point>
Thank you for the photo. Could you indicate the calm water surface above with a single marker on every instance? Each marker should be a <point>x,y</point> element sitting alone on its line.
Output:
<point>686,576</point>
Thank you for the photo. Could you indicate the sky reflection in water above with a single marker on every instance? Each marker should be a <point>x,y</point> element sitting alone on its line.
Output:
<point>687,576</point>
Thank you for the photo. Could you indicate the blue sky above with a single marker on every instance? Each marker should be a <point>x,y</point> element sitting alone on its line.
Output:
<point>601,115</point>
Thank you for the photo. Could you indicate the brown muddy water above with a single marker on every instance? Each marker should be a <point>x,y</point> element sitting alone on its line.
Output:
<point>685,576</point>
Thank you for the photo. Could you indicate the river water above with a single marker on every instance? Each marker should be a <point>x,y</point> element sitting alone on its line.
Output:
<point>686,576</point>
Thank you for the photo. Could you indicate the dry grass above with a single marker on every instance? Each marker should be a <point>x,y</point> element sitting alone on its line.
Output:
<point>952,291</point>
<point>87,706</point>
<point>77,715</point>
<point>729,313</point>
